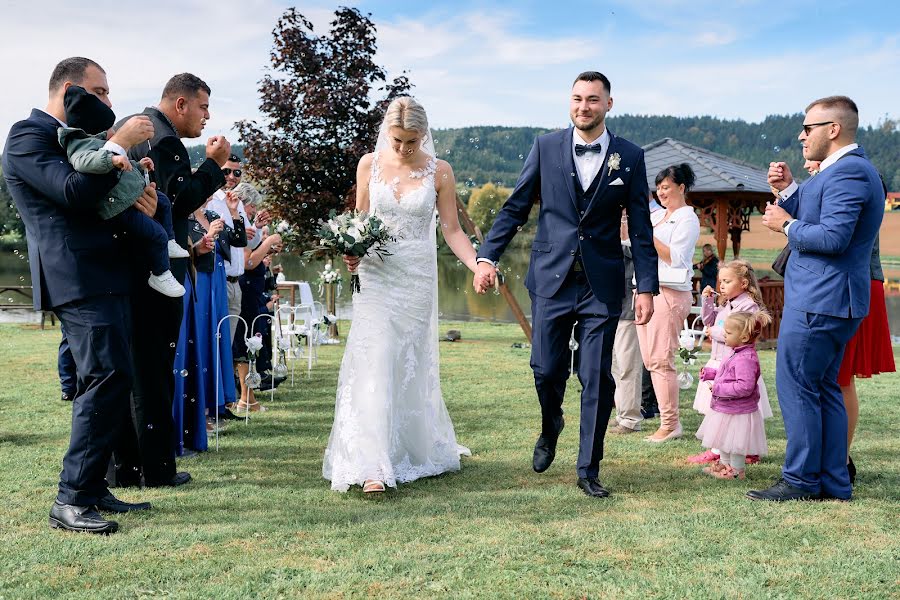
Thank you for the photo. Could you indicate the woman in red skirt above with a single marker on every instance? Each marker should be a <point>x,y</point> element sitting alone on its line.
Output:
<point>868,353</point>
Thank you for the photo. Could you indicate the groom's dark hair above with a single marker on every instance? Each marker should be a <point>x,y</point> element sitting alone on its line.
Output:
<point>594,76</point>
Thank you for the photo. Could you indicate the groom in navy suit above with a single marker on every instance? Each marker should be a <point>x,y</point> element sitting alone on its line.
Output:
<point>831,222</point>
<point>583,178</point>
<point>79,271</point>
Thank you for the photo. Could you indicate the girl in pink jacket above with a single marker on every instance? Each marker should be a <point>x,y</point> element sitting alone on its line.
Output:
<point>738,291</point>
<point>734,424</point>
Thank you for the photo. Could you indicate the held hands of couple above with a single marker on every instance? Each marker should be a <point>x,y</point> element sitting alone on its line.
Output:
<point>218,149</point>
<point>485,277</point>
<point>136,130</point>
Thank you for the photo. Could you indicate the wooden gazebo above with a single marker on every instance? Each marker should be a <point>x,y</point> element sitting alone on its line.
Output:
<point>726,191</point>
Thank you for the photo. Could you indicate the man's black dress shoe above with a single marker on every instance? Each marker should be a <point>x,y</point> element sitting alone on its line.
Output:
<point>592,487</point>
<point>782,491</point>
<point>227,415</point>
<point>268,382</point>
<point>80,518</point>
<point>67,397</point>
<point>110,503</point>
<point>545,450</point>
<point>851,468</point>
<point>177,480</point>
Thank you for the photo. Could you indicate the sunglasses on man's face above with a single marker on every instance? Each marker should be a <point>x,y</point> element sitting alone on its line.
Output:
<point>236,172</point>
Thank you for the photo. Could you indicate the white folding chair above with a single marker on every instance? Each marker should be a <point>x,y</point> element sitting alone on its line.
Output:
<point>287,329</point>
<point>304,324</point>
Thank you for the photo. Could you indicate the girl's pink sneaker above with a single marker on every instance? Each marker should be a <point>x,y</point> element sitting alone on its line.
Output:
<point>706,457</point>
<point>751,459</point>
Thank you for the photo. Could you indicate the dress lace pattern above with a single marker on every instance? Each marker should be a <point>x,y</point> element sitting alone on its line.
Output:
<point>390,421</point>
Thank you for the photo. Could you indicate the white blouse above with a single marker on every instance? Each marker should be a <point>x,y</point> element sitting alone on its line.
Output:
<point>680,232</point>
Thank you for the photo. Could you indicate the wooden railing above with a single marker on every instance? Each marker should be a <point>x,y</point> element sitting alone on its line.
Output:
<point>773,296</point>
<point>25,302</point>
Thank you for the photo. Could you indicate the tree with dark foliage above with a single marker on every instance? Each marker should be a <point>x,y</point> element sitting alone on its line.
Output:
<point>320,117</point>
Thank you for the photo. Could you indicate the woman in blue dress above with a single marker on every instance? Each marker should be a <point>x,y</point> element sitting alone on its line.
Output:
<point>206,304</point>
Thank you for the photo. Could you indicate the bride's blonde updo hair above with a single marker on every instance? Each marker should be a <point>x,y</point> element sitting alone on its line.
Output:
<point>404,112</point>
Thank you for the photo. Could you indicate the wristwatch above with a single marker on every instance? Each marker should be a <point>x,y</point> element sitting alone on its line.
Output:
<point>784,225</point>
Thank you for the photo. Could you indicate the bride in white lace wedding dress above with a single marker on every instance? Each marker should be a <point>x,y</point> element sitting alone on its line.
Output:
<point>390,423</point>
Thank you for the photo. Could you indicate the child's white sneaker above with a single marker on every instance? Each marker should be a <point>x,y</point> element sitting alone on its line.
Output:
<point>176,251</point>
<point>166,284</point>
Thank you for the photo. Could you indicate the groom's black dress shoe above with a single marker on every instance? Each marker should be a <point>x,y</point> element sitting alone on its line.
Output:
<point>545,450</point>
<point>177,480</point>
<point>592,487</point>
<point>110,503</point>
<point>80,518</point>
<point>782,491</point>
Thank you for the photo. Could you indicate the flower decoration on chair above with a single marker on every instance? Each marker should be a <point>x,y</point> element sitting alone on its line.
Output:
<point>352,233</point>
<point>330,276</point>
<point>688,354</point>
<point>254,345</point>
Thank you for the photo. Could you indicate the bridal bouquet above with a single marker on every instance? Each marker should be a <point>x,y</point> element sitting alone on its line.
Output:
<point>352,233</point>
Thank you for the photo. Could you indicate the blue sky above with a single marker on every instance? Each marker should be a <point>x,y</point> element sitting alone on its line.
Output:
<point>488,63</point>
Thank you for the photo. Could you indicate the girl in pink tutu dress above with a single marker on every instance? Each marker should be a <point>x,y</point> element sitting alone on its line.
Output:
<point>733,423</point>
<point>739,291</point>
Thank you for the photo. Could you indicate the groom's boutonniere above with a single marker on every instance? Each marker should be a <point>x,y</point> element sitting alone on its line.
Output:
<point>613,163</point>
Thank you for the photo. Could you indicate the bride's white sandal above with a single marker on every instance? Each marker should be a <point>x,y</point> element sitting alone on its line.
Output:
<point>373,486</point>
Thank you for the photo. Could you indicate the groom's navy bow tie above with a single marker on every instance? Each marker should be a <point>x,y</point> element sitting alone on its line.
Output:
<point>580,149</point>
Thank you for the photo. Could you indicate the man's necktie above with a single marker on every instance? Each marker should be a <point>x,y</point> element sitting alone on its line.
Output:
<point>580,149</point>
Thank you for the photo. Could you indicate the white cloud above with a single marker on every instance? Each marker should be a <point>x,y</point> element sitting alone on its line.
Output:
<point>470,68</point>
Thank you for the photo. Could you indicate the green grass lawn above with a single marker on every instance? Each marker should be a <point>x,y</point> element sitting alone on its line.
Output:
<point>259,520</point>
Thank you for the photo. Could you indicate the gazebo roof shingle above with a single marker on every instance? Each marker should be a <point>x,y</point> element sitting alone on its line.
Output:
<point>715,172</point>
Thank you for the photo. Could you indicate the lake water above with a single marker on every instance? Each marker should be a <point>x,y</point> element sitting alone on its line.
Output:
<point>457,301</point>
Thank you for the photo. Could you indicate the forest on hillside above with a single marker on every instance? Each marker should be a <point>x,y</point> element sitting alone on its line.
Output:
<point>485,154</point>
<point>495,154</point>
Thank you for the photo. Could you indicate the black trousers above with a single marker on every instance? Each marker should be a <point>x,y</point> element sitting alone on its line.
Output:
<point>553,319</point>
<point>65,364</point>
<point>147,444</point>
<point>98,332</point>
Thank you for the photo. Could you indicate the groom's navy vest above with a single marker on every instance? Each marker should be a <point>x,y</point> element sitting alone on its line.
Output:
<point>582,197</point>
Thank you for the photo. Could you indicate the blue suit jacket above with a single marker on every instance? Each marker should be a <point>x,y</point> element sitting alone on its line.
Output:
<point>73,253</point>
<point>839,213</point>
<point>562,232</point>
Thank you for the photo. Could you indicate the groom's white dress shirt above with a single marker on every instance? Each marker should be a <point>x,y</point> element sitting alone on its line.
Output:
<point>589,163</point>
